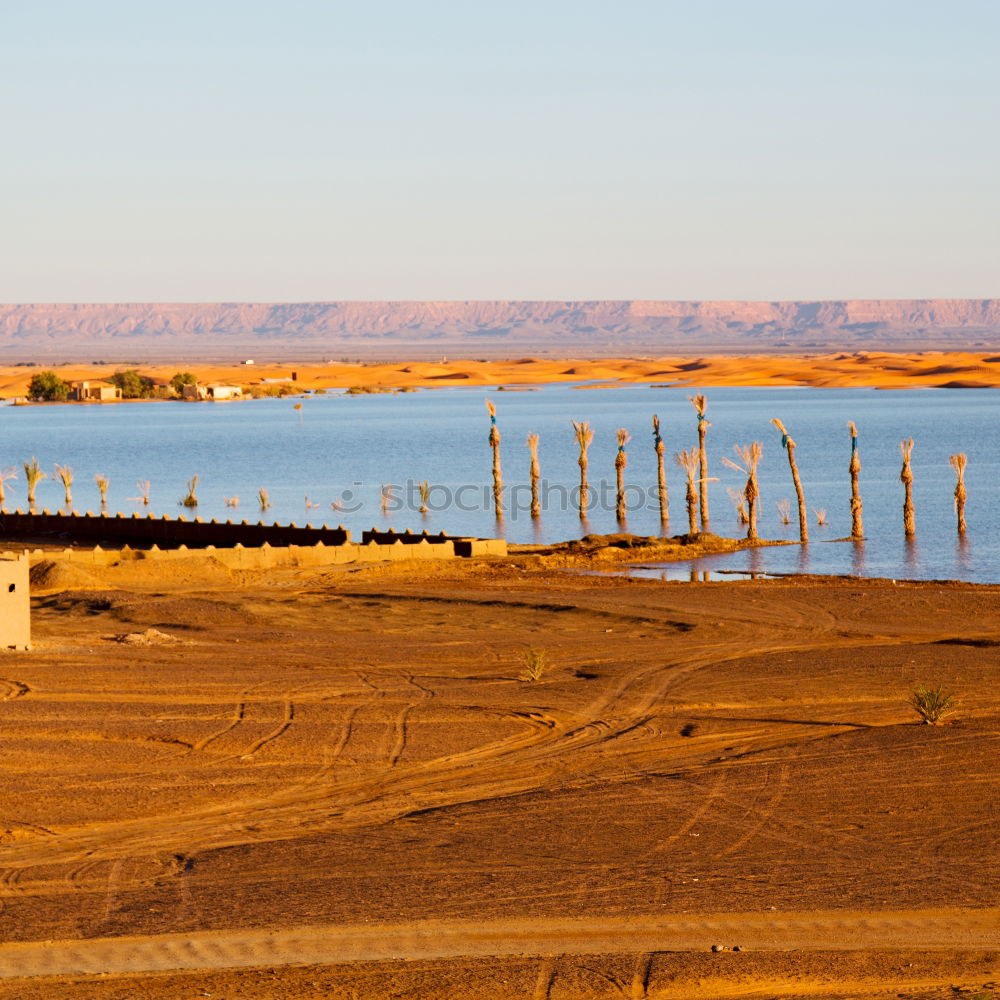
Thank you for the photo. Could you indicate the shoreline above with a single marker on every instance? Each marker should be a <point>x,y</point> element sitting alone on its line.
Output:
<point>865,369</point>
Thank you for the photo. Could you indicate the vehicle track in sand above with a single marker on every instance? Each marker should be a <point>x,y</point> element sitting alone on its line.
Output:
<point>829,930</point>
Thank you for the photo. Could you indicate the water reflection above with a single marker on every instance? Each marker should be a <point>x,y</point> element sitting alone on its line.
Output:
<point>803,560</point>
<point>963,556</point>
<point>911,555</point>
<point>858,557</point>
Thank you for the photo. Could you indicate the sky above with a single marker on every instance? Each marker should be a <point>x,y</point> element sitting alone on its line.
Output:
<point>250,150</point>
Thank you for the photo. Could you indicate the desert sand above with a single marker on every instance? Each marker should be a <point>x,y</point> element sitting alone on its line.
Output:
<point>335,783</point>
<point>931,369</point>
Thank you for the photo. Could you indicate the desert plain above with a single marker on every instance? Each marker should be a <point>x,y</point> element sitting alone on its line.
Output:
<point>339,782</point>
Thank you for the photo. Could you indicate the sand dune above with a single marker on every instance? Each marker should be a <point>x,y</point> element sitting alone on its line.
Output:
<point>863,369</point>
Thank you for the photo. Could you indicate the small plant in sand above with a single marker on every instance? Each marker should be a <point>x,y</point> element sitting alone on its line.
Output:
<point>958,463</point>
<point>688,461</point>
<point>494,440</point>
<point>584,437</point>
<point>6,475</point>
<point>232,501</point>
<point>932,704</point>
<point>102,484</point>
<point>699,403</point>
<point>143,486</point>
<point>263,498</point>
<point>820,513</point>
<point>533,665</point>
<point>190,500</point>
<point>425,495</point>
<point>785,511</point>
<point>750,457</point>
<point>33,475</point>
<point>65,475</point>
<point>739,501</point>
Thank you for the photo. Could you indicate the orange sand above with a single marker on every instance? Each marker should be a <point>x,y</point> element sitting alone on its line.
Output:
<point>864,369</point>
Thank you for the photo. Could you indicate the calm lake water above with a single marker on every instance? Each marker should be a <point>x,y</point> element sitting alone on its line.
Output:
<point>340,448</point>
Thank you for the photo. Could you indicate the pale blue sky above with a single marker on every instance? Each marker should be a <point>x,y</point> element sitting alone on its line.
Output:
<point>303,150</point>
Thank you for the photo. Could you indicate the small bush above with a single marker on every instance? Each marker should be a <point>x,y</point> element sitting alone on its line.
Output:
<point>534,663</point>
<point>932,704</point>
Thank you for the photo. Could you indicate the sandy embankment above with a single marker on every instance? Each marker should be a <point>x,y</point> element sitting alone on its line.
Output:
<point>863,369</point>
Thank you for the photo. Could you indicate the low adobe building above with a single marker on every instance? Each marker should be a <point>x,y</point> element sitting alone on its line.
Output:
<point>94,392</point>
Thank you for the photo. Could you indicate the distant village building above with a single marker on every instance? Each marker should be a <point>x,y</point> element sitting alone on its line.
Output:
<point>15,610</point>
<point>94,392</point>
<point>211,392</point>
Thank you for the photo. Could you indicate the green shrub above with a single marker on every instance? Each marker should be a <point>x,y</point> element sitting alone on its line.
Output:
<point>932,704</point>
<point>48,386</point>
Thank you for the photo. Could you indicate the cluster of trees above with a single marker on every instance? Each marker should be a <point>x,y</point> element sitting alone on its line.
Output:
<point>50,388</point>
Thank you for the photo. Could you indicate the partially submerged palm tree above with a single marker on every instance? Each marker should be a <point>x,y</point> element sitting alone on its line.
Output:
<point>857,525</point>
<point>191,500</point>
<point>232,501</point>
<point>263,498</point>
<point>425,494</point>
<point>699,402</point>
<point>820,513</point>
<point>789,445</point>
<point>906,478</point>
<point>584,437</point>
<point>102,484</point>
<point>143,487</point>
<point>688,461</point>
<point>750,457</point>
<point>6,475</point>
<point>536,508</point>
<point>785,511</point>
<point>621,460</point>
<point>958,463</point>
<point>387,497</point>
<point>33,475</point>
<point>661,475</point>
<point>739,501</point>
<point>65,475</point>
<point>497,475</point>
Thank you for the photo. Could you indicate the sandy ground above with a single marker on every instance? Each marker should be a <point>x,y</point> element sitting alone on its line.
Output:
<point>335,784</point>
<point>882,370</point>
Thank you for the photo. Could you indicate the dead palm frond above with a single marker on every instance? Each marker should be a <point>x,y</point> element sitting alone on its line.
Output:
<point>143,486</point>
<point>749,455</point>
<point>958,463</point>
<point>621,460</point>
<point>906,478</point>
<point>789,445</point>
<point>102,484</point>
<point>661,474</point>
<point>785,511</point>
<point>425,495</point>
<point>700,403</point>
<point>33,475</point>
<point>533,473</point>
<point>857,524</point>
<point>820,513</point>
<point>263,498</point>
<point>584,437</point>
<point>494,441</point>
<point>190,500</point>
<point>739,501</point>
<point>6,476</point>
<point>688,461</point>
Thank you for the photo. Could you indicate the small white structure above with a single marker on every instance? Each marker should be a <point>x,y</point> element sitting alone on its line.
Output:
<point>15,610</point>
<point>211,392</point>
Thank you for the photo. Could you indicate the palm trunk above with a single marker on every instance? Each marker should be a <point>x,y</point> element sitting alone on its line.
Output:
<point>959,463</point>
<point>584,436</point>
<point>536,509</point>
<point>621,460</point>
<point>789,445</point>
<point>497,475</point>
<point>906,478</point>
<point>857,525</point>
<point>661,474</point>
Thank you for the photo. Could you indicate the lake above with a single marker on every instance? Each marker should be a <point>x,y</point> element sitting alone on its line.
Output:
<point>342,449</point>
